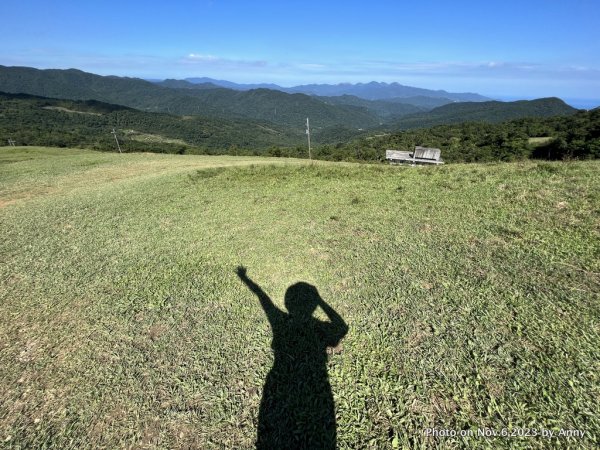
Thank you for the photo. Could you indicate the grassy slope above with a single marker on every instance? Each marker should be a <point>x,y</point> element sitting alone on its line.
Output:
<point>31,172</point>
<point>471,292</point>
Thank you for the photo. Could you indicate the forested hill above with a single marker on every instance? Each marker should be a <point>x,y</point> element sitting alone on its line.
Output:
<point>283,109</point>
<point>30,120</point>
<point>385,110</point>
<point>78,85</point>
<point>183,84</point>
<point>490,112</point>
<point>559,137</point>
<point>262,104</point>
<point>33,120</point>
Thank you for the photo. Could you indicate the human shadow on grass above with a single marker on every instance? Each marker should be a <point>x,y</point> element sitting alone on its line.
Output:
<point>297,409</point>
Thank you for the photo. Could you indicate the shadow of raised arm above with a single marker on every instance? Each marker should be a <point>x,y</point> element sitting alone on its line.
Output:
<point>267,304</point>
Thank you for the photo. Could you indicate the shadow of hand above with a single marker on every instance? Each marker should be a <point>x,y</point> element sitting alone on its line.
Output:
<point>241,271</point>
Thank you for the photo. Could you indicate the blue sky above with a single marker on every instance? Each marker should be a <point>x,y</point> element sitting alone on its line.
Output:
<point>520,49</point>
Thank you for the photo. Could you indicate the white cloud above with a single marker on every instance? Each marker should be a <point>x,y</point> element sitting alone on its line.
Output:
<point>199,57</point>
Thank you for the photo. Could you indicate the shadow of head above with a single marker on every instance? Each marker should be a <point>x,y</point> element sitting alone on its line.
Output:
<point>301,300</point>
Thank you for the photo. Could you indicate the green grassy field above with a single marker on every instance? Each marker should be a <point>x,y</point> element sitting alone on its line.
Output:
<point>470,293</point>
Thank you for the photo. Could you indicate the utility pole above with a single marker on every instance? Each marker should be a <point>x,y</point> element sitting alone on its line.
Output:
<point>114,133</point>
<point>308,134</point>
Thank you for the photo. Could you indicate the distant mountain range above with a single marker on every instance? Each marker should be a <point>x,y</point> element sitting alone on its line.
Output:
<point>368,91</point>
<point>347,111</point>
